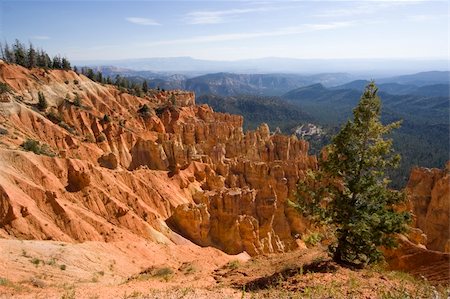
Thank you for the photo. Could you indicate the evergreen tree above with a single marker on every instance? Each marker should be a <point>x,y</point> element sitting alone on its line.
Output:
<point>56,63</point>
<point>8,54</point>
<point>65,64</point>
<point>99,77</point>
<point>31,57</point>
<point>77,101</point>
<point>88,72</point>
<point>44,60</point>
<point>350,190</point>
<point>42,102</point>
<point>20,56</point>
<point>144,86</point>
<point>117,80</point>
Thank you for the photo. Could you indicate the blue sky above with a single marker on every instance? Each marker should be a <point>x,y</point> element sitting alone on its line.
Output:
<point>231,30</point>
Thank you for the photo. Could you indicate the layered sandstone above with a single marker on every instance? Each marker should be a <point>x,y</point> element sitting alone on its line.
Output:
<point>429,199</point>
<point>120,174</point>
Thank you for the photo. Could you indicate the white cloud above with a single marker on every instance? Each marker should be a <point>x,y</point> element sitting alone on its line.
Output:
<point>246,35</point>
<point>423,18</point>
<point>220,16</point>
<point>40,37</point>
<point>142,21</point>
<point>365,8</point>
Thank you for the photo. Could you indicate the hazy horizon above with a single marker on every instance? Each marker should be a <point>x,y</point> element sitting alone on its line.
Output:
<point>231,30</point>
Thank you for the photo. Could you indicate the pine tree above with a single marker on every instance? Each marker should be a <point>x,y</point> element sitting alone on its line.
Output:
<point>89,73</point>
<point>349,191</point>
<point>99,77</point>
<point>144,86</point>
<point>57,64</point>
<point>19,54</point>
<point>65,64</point>
<point>42,102</point>
<point>7,53</point>
<point>31,57</point>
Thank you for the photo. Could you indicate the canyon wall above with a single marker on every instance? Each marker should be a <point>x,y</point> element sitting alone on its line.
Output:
<point>428,193</point>
<point>106,169</point>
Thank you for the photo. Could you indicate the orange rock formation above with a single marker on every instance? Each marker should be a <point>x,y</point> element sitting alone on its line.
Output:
<point>429,199</point>
<point>176,171</point>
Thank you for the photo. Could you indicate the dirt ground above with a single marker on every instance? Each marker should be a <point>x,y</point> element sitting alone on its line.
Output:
<point>48,269</point>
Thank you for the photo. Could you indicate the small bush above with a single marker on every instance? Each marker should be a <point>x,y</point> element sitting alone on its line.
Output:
<point>144,110</point>
<point>42,102</point>
<point>101,137</point>
<point>106,118</point>
<point>67,127</point>
<point>66,81</point>
<point>312,239</point>
<point>4,281</point>
<point>77,101</point>
<point>54,117</point>
<point>7,283</point>
<point>62,267</point>
<point>164,273</point>
<point>34,146</point>
<point>3,131</point>
<point>4,88</point>
<point>51,262</point>
<point>35,261</point>
<point>233,264</point>
<point>89,138</point>
<point>75,82</point>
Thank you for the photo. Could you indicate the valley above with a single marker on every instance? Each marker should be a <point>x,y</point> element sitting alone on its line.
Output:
<point>97,191</point>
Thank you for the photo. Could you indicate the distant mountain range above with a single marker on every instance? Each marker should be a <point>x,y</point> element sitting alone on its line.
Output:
<point>366,67</point>
<point>422,139</point>
<point>286,101</point>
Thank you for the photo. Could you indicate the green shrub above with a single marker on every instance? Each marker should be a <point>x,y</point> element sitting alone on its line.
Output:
<point>312,239</point>
<point>77,101</point>
<point>106,118</point>
<point>67,127</point>
<point>4,88</point>
<point>54,117</point>
<point>34,146</point>
<point>101,137</point>
<point>42,102</point>
<point>144,110</point>
<point>233,264</point>
<point>165,273</point>
<point>35,261</point>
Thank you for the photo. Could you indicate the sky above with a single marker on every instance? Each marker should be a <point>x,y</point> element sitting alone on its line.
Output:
<point>230,30</point>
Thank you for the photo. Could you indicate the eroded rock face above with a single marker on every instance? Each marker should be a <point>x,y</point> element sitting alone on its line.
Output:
<point>108,161</point>
<point>77,178</point>
<point>120,173</point>
<point>244,188</point>
<point>419,261</point>
<point>429,199</point>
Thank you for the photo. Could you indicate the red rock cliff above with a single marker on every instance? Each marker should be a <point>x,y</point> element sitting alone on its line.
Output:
<point>429,199</point>
<point>120,172</point>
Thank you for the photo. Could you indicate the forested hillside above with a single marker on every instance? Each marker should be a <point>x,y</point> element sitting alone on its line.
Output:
<point>423,138</point>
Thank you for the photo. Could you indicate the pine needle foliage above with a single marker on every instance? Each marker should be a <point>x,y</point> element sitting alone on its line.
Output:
<point>349,190</point>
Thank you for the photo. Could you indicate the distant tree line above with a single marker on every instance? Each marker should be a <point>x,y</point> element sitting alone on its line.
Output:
<point>30,57</point>
<point>119,81</point>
